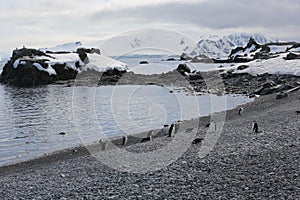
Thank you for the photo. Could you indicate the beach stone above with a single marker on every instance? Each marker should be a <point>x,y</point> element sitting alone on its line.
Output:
<point>144,62</point>
<point>269,84</point>
<point>230,71</point>
<point>292,56</point>
<point>281,96</point>
<point>242,67</point>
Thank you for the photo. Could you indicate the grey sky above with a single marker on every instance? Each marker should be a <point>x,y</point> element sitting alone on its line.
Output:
<point>49,22</point>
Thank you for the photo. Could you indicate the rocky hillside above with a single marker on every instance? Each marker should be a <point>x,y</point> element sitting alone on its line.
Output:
<point>220,47</point>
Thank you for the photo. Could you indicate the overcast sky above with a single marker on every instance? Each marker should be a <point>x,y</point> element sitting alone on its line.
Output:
<point>39,23</point>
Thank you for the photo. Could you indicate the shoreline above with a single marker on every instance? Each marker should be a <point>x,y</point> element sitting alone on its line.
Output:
<point>242,165</point>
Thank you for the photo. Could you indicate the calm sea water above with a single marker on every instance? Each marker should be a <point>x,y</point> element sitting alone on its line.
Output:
<point>32,118</point>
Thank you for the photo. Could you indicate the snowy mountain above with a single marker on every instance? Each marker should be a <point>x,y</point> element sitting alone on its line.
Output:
<point>146,41</point>
<point>221,46</point>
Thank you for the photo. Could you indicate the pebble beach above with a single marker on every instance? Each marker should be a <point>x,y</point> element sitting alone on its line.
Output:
<point>242,164</point>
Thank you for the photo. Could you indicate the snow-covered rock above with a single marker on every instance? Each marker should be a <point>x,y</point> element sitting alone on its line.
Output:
<point>29,67</point>
<point>68,47</point>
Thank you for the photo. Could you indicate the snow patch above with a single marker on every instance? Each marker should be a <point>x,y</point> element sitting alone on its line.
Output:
<point>49,69</point>
<point>102,63</point>
<point>68,47</point>
<point>276,65</point>
<point>152,68</point>
<point>278,49</point>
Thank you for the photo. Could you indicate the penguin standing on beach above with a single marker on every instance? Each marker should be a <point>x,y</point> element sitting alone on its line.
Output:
<point>124,140</point>
<point>166,129</point>
<point>104,143</point>
<point>241,110</point>
<point>172,130</point>
<point>255,127</point>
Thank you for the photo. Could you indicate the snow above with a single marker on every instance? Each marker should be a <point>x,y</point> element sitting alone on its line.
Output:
<point>276,65</point>
<point>152,68</point>
<point>69,59</point>
<point>68,47</point>
<point>296,49</point>
<point>97,62</point>
<point>102,63</point>
<point>278,48</point>
<point>243,53</point>
<point>249,50</point>
<point>157,41</point>
<point>16,63</point>
<point>49,69</point>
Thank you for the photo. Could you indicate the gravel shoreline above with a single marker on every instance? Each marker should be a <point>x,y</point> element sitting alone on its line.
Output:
<point>242,165</point>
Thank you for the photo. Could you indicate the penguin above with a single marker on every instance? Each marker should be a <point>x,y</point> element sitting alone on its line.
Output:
<point>172,130</point>
<point>197,140</point>
<point>255,127</point>
<point>241,110</point>
<point>62,133</point>
<point>165,129</point>
<point>147,139</point>
<point>124,140</point>
<point>104,143</point>
<point>177,126</point>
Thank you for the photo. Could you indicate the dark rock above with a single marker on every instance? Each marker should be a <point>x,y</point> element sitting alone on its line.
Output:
<point>230,71</point>
<point>19,53</point>
<point>144,62</point>
<point>83,55</point>
<point>263,91</point>
<point>185,56</point>
<point>197,140</point>
<point>183,69</point>
<point>266,91</point>
<point>278,81</point>
<point>91,51</point>
<point>194,77</point>
<point>281,96</point>
<point>292,56</point>
<point>242,67</point>
<point>296,84</point>
<point>171,59</point>
<point>286,87</point>
<point>63,72</point>
<point>269,84</point>
<point>25,75</point>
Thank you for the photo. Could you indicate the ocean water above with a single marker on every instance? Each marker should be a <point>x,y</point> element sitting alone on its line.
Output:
<point>32,118</point>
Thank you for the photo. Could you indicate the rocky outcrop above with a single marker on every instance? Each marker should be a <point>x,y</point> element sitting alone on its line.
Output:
<point>25,75</point>
<point>29,67</point>
<point>251,51</point>
<point>247,84</point>
<point>183,69</point>
<point>292,56</point>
